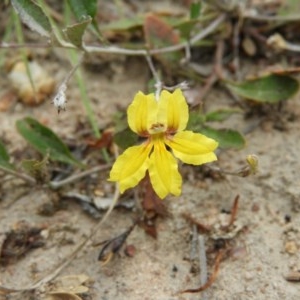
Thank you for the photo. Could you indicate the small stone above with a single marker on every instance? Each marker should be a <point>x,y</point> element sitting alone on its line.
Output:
<point>291,247</point>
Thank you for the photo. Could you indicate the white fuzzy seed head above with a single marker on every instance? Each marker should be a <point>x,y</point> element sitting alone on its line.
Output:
<point>60,100</point>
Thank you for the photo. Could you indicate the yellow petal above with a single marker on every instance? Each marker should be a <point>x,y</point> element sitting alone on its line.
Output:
<point>163,171</point>
<point>192,148</point>
<point>131,166</point>
<point>173,110</point>
<point>142,113</point>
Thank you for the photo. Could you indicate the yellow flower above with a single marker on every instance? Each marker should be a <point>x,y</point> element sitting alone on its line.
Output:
<point>162,123</point>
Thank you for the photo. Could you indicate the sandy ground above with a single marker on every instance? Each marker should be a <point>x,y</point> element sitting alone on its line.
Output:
<point>264,247</point>
<point>264,244</point>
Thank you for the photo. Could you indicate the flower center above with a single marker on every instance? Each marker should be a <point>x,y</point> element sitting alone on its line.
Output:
<point>157,128</point>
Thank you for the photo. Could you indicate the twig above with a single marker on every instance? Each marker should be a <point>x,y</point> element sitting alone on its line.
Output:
<point>75,177</point>
<point>215,75</point>
<point>202,263</point>
<point>23,176</point>
<point>210,280</point>
<point>254,16</point>
<point>236,46</point>
<point>234,210</point>
<point>194,242</point>
<point>200,227</point>
<point>140,52</point>
<point>5,45</point>
<point>201,35</point>
<point>158,84</point>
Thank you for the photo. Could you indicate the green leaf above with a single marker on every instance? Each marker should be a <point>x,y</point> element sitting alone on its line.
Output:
<point>221,114</point>
<point>33,16</point>
<point>75,32</point>
<point>195,10</point>
<point>45,141</point>
<point>36,168</point>
<point>196,121</point>
<point>268,89</point>
<point>125,138</point>
<point>83,9</point>
<point>227,138</point>
<point>124,24</point>
<point>288,7</point>
<point>4,158</point>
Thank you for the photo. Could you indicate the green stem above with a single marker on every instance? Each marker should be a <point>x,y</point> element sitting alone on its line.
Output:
<point>20,38</point>
<point>84,96</point>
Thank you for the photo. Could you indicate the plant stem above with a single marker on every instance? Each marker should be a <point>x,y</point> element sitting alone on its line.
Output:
<point>75,177</point>
<point>20,175</point>
<point>139,52</point>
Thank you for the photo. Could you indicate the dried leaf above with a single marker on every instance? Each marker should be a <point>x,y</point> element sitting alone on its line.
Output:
<point>158,34</point>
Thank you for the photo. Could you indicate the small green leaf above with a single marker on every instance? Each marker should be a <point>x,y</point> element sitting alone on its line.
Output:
<point>195,10</point>
<point>4,158</point>
<point>83,9</point>
<point>36,168</point>
<point>288,7</point>
<point>196,121</point>
<point>33,16</point>
<point>75,32</point>
<point>221,114</point>
<point>45,141</point>
<point>268,89</point>
<point>125,138</point>
<point>124,24</point>
<point>227,138</point>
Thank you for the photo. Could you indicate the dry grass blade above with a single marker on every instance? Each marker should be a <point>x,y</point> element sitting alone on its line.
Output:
<point>212,278</point>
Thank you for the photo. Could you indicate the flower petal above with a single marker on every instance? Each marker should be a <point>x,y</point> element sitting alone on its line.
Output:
<point>131,166</point>
<point>192,148</point>
<point>163,171</point>
<point>173,110</point>
<point>142,113</point>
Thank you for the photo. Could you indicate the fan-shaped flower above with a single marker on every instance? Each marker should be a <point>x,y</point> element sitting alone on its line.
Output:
<point>162,124</point>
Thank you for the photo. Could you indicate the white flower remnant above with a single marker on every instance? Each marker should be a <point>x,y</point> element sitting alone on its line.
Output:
<point>60,100</point>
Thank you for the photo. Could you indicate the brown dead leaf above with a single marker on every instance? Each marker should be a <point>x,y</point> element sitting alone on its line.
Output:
<point>20,240</point>
<point>67,287</point>
<point>104,142</point>
<point>158,33</point>
<point>62,296</point>
<point>7,100</point>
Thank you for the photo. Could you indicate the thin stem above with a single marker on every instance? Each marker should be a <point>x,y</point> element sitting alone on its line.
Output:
<point>152,68</point>
<point>75,177</point>
<point>20,38</point>
<point>202,263</point>
<point>20,175</point>
<point>288,18</point>
<point>140,52</point>
<point>84,95</point>
<point>5,45</point>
